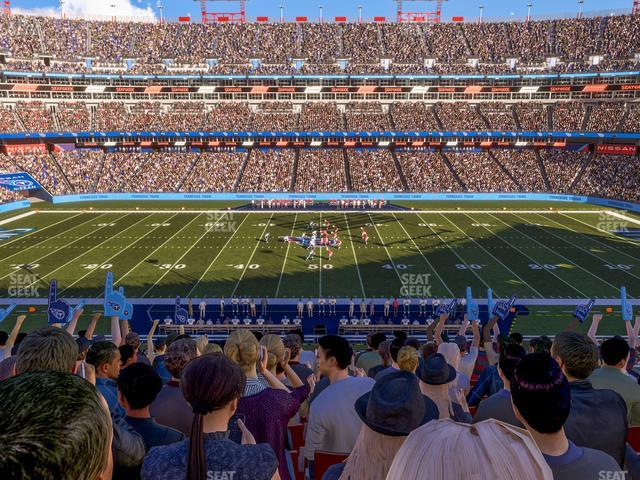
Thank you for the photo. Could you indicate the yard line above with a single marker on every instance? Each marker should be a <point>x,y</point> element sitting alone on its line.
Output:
<point>578,247</point>
<point>423,256</point>
<point>622,217</point>
<point>252,254</point>
<point>456,254</point>
<point>284,262</point>
<point>155,250</point>
<point>21,237</point>
<point>531,259</point>
<point>61,248</point>
<point>206,231</point>
<point>219,253</point>
<point>18,217</point>
<point>354,256</point>
<point>122,250</point>
<point>627,241</point>
<point>393,264</point>
<point>558,254</point>
<point>494,257</point>
<point>40,278</point>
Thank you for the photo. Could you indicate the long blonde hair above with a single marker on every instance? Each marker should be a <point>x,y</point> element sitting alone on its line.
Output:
<point>275,350</point>
<point>408,359</point>
<point>448,450</point>
<point>243,348</point>
<point>371,456</point>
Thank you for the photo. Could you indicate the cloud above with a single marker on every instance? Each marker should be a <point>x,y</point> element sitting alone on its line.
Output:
<point>92,9</point>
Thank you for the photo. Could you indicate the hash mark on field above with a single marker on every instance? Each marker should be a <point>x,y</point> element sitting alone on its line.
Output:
<point>267,224</point>
<point>559,255</point>
<point>120,251</point>
<point>216,257</point>
<point>354,255</point>
<point>284,262</point>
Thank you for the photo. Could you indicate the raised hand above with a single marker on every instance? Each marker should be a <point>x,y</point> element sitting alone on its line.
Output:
<point>247,436</point>
<point>114,300</point>
<point>582,311</point>
<point>627,308</point>
<point>502,308</point>
<point>286,358</point>
<point>264,358</point>
<point>58,310</point>
<point>4,312</point>
<point>473,311</point>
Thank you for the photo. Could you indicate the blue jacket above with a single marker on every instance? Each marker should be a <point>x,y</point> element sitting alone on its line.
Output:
<point>488,384</point>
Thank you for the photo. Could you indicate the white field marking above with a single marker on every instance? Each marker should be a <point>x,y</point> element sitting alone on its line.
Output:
<point>286,254</point>
<point>46,239</point>
<point>206,232</point>
<point>119,251</point>
<point>18,217</point>
<point>496,235</point>
<point>61,248</point>
<point>155,250</point>
<point>257,212</point>
<point>558,254</point>
<point>218,255</point>
<point>622,217</point>
<point>354,256</point>
<point>494,257</point>
<point>393,264</point>
<point>457,254</point>
<point>628,241</point>
<point>40,278</point>
<point>246,266</point>
<point>579,247</point>
<point>424,257</point>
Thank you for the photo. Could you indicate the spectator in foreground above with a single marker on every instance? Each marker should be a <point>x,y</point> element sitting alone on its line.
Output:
<point>592,410</point>
<point>138,386</point>
<point>333,424</point>
<point>67,414</point>
<point>498,406</point>
<point>170,408</point>
<point>383,351</point>
<point>436,378</point>
<point>542,402</point>
<point>267,411</point>
<point>446,450</point>
<point>105,358</point>
<point>212,385</point>
<point>294,344</point>
<point>133,339</point>
<point>394,348</point>
<point>389,412</point>
<point>371,357</point>
<point>613,375</point>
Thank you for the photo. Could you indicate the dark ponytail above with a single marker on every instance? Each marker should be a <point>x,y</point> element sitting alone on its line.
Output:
<point>208,383</point>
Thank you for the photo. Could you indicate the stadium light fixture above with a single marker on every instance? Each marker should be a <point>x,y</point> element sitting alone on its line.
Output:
<point>580,3</point>
<point>360,7</point>
<point>481,13</point>
<point>282,12</point>
<point>529,6</point>
<point>321,7</point>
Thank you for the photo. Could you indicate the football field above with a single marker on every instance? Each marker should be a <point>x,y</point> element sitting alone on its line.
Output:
<point>567,252</point>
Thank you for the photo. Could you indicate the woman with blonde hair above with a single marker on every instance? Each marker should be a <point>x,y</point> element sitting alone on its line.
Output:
<point>389,412</point>
<point>276,353</point>
<point>448,450</point>
<point>408,359</point>
<point>266,409</point>
<point>437,379</point>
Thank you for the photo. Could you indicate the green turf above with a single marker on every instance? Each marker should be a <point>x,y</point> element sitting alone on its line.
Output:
<point>154,255</point>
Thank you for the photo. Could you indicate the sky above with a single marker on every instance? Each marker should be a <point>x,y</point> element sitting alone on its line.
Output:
<point>271,8</point>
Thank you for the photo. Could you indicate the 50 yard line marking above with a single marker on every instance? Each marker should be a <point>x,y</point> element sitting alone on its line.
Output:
<point>284,262</point>
<point>219,253</point>
<point>252,254</point>
<point>355,259</point>
<point>121,250</point>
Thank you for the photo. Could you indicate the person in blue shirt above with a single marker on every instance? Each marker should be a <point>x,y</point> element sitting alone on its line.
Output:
<point>105,357</point>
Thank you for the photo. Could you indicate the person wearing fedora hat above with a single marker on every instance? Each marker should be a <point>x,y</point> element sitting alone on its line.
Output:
<point>436,381</point>
<point>389,412</point>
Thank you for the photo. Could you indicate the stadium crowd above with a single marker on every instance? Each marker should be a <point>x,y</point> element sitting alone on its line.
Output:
<point>259,406</point>
<point>233,47</point>
<point>323,116</point>
<point>329,170</point>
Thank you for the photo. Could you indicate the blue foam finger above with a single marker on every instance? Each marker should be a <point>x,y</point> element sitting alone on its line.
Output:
<point>4,312</point>
<point>627,308</point>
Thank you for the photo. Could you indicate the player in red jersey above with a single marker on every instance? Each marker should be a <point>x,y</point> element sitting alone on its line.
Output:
<point>364,235</point>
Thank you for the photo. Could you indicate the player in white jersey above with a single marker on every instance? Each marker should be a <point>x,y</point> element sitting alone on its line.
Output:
<point>372,307</point>
<point>407,305</point>
<point>252,305</point>
<point>423,306</point>
<point>300,308</point>
<point>321,303</point>
<point>266,237</point>
<point>234,305</point>
<point>310,308</point>
<point>363,309</point>
<point>351,307</point>
<point>203,308</point>
<point>387,304</point>
<point>332,305</point>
